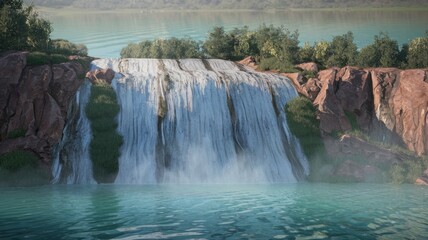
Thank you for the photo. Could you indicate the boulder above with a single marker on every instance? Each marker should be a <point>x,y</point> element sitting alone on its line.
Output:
<point>250,62</point>
<point>348,146</point>
<point>310,66</point>
<point>422,181</point>
<point>297,80</point>
<point>101,76</point>
<point>352,171</point>
<point>312,87</point>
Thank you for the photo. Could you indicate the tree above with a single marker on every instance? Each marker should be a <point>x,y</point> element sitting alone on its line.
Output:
<point>21,28</point>
<point>342,50</point>
<point>418,52</point>
<point>220,44</point>
<point>321,52</point>
<point>383,52</point>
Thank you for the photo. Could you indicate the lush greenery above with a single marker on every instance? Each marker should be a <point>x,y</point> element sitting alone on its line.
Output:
<point>277,48</point>
<point>21,28</point>
<point>102,110</point>
<point>301,118</point>
<point>65,47</point>
<point>172,48</point>
<point>17,160</point>
<point>224,4</point>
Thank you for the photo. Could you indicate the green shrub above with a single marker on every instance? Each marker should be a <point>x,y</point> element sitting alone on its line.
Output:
<point>102,110</point>
<point>41,58</point>
<point>65,47</point>
<point>301,118</point>
<point>16,160</point>
<point>17,133</point>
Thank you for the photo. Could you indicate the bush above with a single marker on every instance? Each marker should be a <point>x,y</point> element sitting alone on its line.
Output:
<point>102,110</point>
<point>301,118</point>
<point>418,52</point>
<point>17,133</point>
<point>16,160</point>
<point>22,28</point>
<point>65,47</point>
<point>383,52</point>
<point>342,51</point>
<point>173,48</point>
<point>41,58</point>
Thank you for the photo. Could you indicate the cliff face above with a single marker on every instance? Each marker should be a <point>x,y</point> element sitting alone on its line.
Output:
<point>389,104</point>
<point>34,102</point>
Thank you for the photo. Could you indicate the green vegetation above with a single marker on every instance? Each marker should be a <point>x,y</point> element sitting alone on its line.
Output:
<point>17,160</point>
<point>65,47</point>
<point>102,110</point>
<point>17,133</point>
<point>301,118</point>
<point>172,48</point>
<point>22,29</point>
<point>225,4</point>
<point>277,48</point>
<point>41,58</point>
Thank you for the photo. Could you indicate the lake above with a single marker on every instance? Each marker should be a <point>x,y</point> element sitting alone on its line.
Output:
<point>105,34</point>
<point>283,211</point>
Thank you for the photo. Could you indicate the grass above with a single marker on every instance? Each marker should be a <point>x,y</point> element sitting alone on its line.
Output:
<point>41,58</point>
<point>102,110</point>
<point>16,160</point>
<point>17,133</point>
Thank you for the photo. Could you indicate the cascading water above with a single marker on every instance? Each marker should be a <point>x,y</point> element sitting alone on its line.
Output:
<point>203,121</point>
<point>72,164</point>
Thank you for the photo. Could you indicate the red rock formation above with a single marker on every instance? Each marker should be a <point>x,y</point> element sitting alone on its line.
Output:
<point>35,101</point>
<point>385,101</point>
<point>297,80</point>
<point>313,88</point>
<point>249,61</point>
<point>101,76</point>
<point>310,66</point>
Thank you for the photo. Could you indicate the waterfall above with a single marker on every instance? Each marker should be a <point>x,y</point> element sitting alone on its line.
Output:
<point>195,121</point>
<point>71,163</point>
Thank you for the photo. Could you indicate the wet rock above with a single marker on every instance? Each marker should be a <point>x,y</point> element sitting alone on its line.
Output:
<point>250,62</point>
<point>101,76</point>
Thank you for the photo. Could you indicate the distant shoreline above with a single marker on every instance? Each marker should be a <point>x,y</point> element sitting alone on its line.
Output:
<point>69,10</point>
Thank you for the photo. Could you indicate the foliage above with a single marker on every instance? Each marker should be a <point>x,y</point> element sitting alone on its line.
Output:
<point>220,44</point>
<point>173,48</point>
<point>16,160</point>
<point>22,28</point>
<point>17,133</point>
<point>102,110</point>
<point>383,52</point>
<point>418,52</point>
<point>342,51</point>
<point>65,47</point>
<point>301,118</point>
<point>41,58</point>
<point>306,53</point>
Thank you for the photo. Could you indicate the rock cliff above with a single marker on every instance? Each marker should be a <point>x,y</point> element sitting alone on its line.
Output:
<point>34,102</point>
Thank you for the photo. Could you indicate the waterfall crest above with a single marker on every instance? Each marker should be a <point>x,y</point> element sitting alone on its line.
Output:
<point>200,121</point>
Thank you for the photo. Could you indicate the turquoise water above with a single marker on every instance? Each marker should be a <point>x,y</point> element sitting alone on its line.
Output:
<point>295,211</point>
<point>106,34</point>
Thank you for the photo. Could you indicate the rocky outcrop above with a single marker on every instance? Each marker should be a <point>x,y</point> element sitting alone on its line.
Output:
<point>310,67</point>
<point>100,76</point>
<point>390,105</point>
<point>298,81</point>
<point>34,102</point>
<point>423,180</point>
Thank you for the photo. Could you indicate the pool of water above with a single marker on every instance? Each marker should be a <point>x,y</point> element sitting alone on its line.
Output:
<point>107,33</point>
<point>283,211</point>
